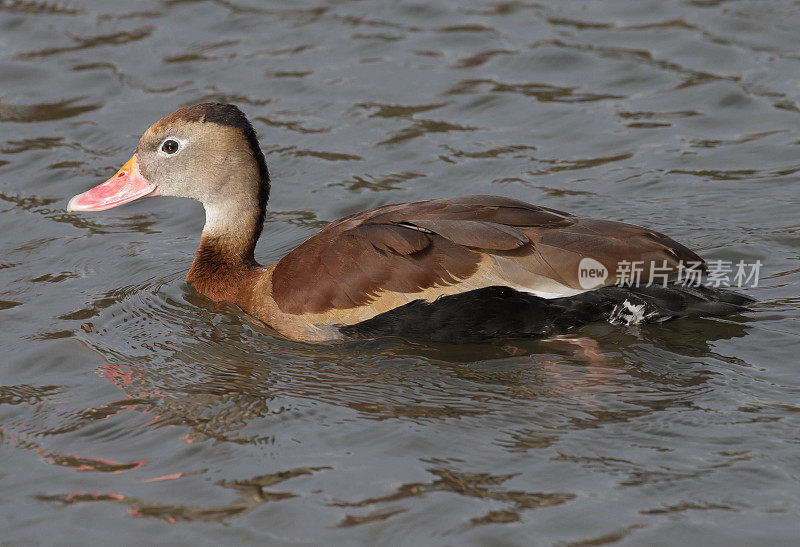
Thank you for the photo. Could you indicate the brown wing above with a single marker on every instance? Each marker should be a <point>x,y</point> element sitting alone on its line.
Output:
<point>445,246</point>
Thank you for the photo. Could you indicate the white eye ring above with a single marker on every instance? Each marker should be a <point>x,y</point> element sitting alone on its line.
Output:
<point>170,146</point>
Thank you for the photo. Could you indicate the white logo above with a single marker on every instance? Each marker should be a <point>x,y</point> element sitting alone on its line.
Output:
<point>591,273</point>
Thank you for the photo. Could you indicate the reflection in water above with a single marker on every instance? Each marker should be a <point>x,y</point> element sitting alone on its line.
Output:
<point>221,380</point>
<point>251,494</point>
<point>87,42</point>
<point>472,485</point>
<point>42,112</point>
<point>542,92</point>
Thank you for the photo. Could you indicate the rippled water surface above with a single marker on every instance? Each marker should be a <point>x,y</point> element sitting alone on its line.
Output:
<point>134,411</point>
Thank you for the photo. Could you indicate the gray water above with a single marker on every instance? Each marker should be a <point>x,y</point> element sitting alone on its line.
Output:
<point>134,411</point>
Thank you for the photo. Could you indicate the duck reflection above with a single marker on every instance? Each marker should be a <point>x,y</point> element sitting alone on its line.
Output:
<point>208,358</point>
<point>219,378</point>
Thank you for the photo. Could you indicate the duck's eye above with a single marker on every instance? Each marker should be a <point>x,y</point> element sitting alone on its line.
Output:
<point>170,146</point>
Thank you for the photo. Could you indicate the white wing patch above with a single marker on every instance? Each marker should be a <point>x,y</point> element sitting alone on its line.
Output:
<point>630,314</point>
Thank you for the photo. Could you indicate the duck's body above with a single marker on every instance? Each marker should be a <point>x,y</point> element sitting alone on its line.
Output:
<point>456,269</point>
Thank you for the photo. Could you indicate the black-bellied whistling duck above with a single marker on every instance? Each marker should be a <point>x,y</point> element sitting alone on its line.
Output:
<point>460,269</point>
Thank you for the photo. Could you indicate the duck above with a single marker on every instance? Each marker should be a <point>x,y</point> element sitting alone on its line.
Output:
<point>458,270</point>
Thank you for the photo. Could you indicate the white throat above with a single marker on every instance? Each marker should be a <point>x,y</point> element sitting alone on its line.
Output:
<point>229,219</point>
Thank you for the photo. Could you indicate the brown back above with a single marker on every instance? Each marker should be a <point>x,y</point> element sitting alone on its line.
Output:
<point>411,247</point>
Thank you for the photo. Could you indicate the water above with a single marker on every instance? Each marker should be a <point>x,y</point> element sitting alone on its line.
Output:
<point>134,411</point>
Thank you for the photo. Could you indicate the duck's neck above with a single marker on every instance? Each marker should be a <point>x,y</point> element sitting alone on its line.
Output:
<point>225,268</point>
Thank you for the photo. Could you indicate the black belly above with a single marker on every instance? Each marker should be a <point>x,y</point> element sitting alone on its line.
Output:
<point>499,312</point>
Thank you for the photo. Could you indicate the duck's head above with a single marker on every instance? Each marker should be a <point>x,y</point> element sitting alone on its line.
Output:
<point>207,152</point>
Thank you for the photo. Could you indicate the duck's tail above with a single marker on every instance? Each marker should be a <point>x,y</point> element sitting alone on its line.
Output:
<point>657,303</point>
